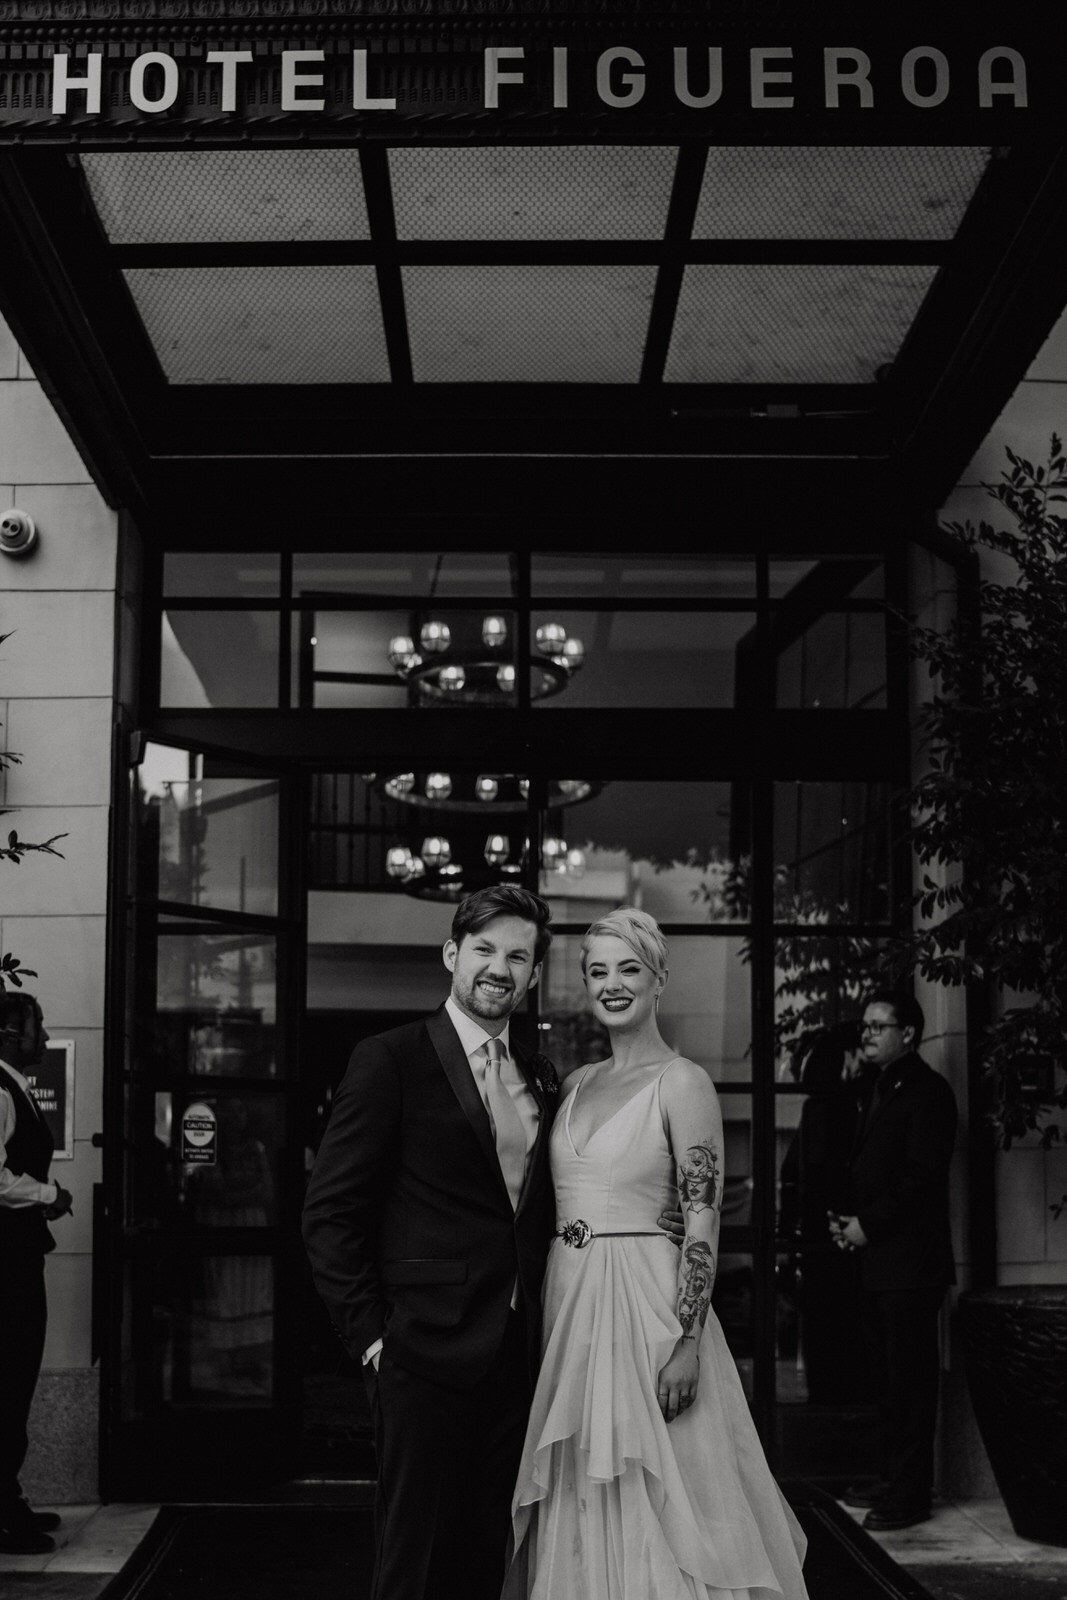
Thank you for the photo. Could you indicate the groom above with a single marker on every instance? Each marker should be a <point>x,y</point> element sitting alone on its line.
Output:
<point>427,1223</point>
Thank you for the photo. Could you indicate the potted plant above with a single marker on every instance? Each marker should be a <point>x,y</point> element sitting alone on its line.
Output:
<point>989,827</point>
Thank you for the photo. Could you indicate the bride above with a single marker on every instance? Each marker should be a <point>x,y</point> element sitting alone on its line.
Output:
<point>642,1476</point>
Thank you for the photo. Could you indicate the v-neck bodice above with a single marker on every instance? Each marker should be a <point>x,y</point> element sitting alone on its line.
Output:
<point>624,1176</point>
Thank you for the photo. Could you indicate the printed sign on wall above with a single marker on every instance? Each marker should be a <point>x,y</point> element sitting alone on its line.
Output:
<point>52,1087</point>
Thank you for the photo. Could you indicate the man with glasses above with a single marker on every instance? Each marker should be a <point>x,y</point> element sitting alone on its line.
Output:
<point>899,1232</point>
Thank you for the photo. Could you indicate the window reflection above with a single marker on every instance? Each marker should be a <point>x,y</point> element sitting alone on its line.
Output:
<point>819,984</point>
<point>213,1329</point>
<point>234,1180</point>
<point>832,852</point>
<point>215,1003</point>
<point>651,658</point>
<point>219,658</point>
<point>221,575</point>
<point>455,573</point>
<point>342,659</point>
<point>678,850</point>
<point>733,1304</point>
<point>831,579</point>
<point>837,662</point>
<point>208,841</point>
<point>675,577</point>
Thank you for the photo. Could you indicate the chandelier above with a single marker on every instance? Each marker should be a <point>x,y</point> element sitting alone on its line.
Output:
<point>485,839</point>
<point>460,664</point>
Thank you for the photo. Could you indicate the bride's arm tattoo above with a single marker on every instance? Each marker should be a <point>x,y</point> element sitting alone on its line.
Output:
<point>699,1196</point>
<point>697,1281</point>
<point>698,1177</point>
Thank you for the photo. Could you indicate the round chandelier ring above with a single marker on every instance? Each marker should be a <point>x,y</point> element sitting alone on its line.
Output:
<point>408,790</point>
<point>548,677</point>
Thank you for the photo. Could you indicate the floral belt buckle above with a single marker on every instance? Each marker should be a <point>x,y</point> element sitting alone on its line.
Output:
<point>576,1233</point>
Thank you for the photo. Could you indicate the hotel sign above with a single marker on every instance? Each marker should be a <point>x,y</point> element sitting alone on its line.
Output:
<point>695,78</point>
<point>90,70</point>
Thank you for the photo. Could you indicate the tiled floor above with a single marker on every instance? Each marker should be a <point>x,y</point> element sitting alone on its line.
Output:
<point>967,1533</point>
<point>91,1539</point>
<point>966,1550</point>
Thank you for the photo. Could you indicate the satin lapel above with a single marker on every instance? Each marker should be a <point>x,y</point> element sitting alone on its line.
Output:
<point>538,1155</point>
<point>457,1070</point>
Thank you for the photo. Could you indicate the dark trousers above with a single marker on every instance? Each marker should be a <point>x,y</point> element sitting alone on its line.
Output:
<point>835,1361</point>
<point>22,1328</point>
<point>447,1464</point>
<point>900,1331</point>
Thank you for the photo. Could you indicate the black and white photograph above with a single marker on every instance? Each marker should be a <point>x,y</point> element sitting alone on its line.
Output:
<point>533,800</point>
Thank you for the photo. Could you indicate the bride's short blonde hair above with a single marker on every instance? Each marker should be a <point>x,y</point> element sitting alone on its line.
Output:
<point>637,930</point>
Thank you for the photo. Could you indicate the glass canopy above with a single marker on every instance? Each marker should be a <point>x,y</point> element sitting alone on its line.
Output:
<point>533,264</point>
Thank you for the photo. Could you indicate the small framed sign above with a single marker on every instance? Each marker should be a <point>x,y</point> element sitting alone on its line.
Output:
<point>52,1087</point>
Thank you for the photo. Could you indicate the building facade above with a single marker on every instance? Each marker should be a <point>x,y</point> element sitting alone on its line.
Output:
<point>486,441</point>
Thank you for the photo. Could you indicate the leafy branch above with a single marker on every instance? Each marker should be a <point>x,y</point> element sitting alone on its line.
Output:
<point>989,817</point>
<point>11,969</point>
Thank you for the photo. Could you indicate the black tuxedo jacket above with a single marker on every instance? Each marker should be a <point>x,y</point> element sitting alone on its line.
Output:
<point>898,1178</point>
<point>408,1224</point>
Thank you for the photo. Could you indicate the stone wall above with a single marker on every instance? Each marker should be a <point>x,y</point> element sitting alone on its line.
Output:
<point>56,702</point>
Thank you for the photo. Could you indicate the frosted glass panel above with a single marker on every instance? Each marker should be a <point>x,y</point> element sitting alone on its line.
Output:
<point>546,192</point>
<point>765,323</point>
<point>215,196</point>
<point>837,192</point>
<point>263,324</point>
<point>528,324</point>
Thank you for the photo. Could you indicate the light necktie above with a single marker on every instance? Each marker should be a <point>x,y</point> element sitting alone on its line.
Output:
<point>508,1130</point>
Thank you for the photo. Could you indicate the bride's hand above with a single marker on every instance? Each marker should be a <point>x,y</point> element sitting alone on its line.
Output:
<point>676,1387</point>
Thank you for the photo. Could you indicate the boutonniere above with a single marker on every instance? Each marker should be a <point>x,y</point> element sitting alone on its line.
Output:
<point>545,1076</point>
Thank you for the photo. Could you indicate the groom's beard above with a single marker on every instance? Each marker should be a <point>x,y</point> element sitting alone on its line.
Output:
<point>470,998</point>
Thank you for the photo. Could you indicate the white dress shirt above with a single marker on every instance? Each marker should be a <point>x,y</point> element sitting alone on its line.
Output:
<point>18,1188</point>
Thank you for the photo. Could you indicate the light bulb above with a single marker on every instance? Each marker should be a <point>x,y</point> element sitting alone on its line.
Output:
<point>496,849</point>
<point>436,851</point>
<point>486,788</point>
<point>435,637</point>
<point>398,861</point>
<point>438,786</point>
<point>551,637</point>
<point>401,650</point>
<point>452,679</point>
<point>494,632</point>
<point>505,678</point>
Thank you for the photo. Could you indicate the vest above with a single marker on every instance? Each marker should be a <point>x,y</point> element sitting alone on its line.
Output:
<point>29,1150</point>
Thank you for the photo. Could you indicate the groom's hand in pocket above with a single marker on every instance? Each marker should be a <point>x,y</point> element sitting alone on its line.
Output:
<point>673,1226</point>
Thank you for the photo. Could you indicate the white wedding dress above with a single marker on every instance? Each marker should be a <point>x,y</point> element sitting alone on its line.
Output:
<point>612,1503</point>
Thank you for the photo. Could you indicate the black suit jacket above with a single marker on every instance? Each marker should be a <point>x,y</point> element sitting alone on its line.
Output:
<point>898,1178</point>
<point>408,1224</point>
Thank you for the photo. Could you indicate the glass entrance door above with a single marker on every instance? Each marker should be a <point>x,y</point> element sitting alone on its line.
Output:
<point>774,898</point>
<point>212,1156</point>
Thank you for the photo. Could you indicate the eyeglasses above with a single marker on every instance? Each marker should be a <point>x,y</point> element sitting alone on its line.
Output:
<point>878,1027</point>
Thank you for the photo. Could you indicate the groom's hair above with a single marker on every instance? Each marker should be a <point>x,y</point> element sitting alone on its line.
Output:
<point>503,900</point>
